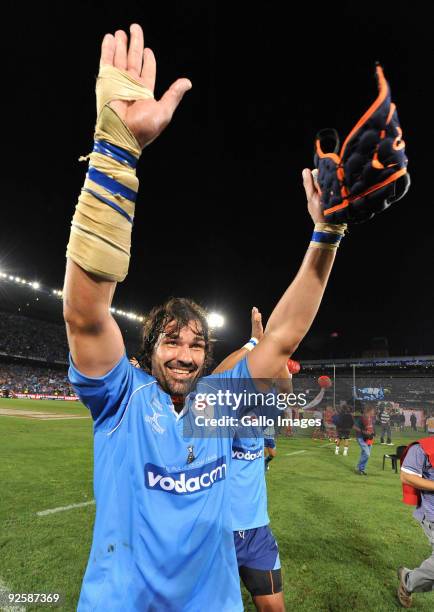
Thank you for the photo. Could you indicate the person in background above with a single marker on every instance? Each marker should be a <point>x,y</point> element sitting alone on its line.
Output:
<point>401,421</point>
<point>344,425</point>
<point>417,477</point>
<point>430,424</point>
<point>365,433</point>
<point>385,426</point>
<point>330,426</point>
<point>413,421</point>
<point>256,547</point>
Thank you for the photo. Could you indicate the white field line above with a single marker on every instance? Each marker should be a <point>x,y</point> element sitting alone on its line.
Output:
<point>63,508</point>
<point>295,453</point>
<point>4,592</point>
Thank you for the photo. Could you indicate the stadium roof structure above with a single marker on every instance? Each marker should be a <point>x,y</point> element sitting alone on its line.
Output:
<point>36,290</point>
<point>14,300</point>
<point>370,362</point>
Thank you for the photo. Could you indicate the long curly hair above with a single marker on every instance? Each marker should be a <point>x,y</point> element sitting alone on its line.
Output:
<point>181,310</point>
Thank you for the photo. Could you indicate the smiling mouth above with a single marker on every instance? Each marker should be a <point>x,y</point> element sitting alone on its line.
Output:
<point>183,373</point>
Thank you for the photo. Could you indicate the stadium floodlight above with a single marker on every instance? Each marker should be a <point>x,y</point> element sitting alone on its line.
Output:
<point>59,294</point>
<point>215,320</point>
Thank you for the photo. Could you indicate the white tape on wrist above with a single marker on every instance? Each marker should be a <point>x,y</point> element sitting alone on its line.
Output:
<point>250,345</point>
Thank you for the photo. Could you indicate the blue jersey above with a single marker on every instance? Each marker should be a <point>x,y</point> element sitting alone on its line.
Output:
<point>163,535</point>
<point>247,480</point>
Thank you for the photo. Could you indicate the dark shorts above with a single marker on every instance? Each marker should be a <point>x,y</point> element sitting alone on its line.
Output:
<point>343,434</point>
<point>258,561</point>
<point>257,548</point>
<point>269,443</point>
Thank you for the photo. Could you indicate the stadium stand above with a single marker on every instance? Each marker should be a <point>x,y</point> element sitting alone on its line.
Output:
<point>22,336</point>
<point>26,379</point>
<point>34,353</point>
<point>33,345</point>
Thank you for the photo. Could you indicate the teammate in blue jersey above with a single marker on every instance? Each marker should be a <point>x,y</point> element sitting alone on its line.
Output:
<point>163,533</point>
<point>257,550</point>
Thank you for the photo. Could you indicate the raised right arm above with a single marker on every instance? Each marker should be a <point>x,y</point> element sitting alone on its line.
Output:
<point>128,119</point>
<point>94,338</point>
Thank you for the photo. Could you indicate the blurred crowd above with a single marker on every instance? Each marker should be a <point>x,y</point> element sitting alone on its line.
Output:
<point>32,379</point>
<point>32,338</point>
<point>28,337</point>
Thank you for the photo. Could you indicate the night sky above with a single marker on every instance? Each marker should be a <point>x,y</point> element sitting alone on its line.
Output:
<point>221,214</point>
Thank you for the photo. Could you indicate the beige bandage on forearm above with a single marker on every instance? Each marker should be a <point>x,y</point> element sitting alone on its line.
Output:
<point>100,239</point>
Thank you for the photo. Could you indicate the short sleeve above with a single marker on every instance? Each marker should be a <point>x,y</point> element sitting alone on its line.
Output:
<point>106,395</point>
<point>414,461</point>
<point>238,377</point>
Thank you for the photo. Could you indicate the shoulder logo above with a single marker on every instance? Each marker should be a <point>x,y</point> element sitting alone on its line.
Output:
<point>153,419</point>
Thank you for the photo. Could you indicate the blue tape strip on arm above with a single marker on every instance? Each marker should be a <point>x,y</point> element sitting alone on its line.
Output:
<point>326,237</point>
<point>112,186</point>
<point>106,148</point>
<point>120,210</point>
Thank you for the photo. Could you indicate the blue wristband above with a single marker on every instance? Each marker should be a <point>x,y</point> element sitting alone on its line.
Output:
<point>326,237</point>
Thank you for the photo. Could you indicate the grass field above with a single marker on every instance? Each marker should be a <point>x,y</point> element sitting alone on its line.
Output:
<point>341,536</point>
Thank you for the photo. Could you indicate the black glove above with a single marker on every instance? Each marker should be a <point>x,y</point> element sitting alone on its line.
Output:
<point>369,173</point>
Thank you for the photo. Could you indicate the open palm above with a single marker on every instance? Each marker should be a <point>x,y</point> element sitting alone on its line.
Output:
<point>145,118</point>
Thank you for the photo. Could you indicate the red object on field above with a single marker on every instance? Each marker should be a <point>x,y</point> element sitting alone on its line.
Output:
<point>324,382</point>
<point>293,366</point>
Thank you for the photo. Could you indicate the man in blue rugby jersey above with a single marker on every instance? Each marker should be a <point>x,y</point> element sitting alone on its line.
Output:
<point>163,532</point>
<point>256,547</point>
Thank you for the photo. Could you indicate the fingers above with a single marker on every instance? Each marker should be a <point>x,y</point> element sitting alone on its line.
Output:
<point>256,315</point>
<point>173,97</point>
<point>108,50</point>
<point>308,185</point>
<point>120,59</point>
<point>149,69</point>
<point>135,51</point>
<point>257,329</point>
